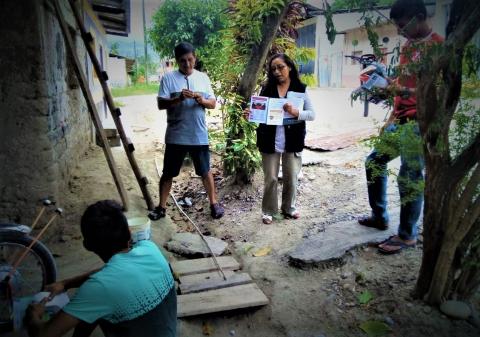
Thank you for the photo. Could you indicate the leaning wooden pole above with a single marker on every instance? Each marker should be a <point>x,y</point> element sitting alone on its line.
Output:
<point>103,77</point>
<point>91,105</point>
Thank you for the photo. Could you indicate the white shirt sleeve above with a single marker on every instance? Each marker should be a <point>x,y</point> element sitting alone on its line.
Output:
<point>164,90</point>
<point>209,92</point>
<point>308,113</point>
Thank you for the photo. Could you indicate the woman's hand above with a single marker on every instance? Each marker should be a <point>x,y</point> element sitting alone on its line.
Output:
<point>246,113</point>
<point>55,289</point>
<point>288,107</point>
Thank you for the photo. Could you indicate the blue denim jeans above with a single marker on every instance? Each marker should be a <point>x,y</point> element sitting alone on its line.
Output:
<point>410,179</point>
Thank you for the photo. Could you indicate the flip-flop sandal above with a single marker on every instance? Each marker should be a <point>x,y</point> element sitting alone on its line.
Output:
<point>267,219</point>
<point>391,243</point>
<point>157,213</point>
<point>295,215</point>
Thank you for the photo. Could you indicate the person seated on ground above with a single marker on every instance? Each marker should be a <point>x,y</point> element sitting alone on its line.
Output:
<point>410,17</point>
<point>282,142</point>
<point>185,94</point>
<point>133,294</point>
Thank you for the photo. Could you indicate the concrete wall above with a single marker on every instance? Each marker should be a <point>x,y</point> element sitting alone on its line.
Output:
<point>44,124</point>
<point>117,72</point>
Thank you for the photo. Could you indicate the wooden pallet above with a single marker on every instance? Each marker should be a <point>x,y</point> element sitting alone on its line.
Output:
<point>203,289</point>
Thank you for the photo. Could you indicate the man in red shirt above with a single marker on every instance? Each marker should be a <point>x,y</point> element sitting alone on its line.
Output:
<point>410,17</point>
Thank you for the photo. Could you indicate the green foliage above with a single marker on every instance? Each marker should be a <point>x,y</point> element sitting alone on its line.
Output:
<point>247,17</point>
<point>114,48</point>
<point>303,54</point>
<point>136,89</point>
<point>405,140</point>
<point>330,27</point>
<point>139,75</point>
<point>365,297</point>
<point>309,80</point>
<point>353,4</point>
<point>242,151</point>
<point>194,21</point>
<point>375,328</point>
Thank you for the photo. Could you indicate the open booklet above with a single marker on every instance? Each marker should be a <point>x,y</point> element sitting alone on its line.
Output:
<point>21,304</point>
<point>270,110</point>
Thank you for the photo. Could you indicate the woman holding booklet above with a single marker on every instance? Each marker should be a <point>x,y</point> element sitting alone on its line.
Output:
<point>282,140</point>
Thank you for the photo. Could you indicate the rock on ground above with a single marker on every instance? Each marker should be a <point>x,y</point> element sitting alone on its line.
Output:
<point>192,244</point>
<point>336,240</point>
<point>456,309</point>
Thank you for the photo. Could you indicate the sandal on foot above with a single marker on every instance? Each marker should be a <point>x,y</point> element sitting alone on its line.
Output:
<point>295,215</point>
<point>373,223</point>
<point>216,211</point>
<point>267,219</point>
<point>393,243</point>
<point>157,213</point>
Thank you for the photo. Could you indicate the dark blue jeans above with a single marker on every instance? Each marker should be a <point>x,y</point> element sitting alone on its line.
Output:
<point>404,142</point>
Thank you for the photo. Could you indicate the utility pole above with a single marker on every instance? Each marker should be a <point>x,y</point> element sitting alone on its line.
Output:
<point>135,56</point>
<point>145,42</point>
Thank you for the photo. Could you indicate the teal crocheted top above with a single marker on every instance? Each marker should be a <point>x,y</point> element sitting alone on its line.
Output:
<point>128,286</point>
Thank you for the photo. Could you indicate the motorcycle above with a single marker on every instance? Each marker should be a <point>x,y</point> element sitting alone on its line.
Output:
<point>373,77</point>
<point>26,264</point>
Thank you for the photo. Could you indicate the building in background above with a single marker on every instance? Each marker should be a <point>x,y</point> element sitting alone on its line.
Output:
<point>45,126</point>
<point>331,68</point>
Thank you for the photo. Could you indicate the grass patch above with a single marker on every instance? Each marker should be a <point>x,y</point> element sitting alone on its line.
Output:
<point>134,90</point>
<point>118,103</point>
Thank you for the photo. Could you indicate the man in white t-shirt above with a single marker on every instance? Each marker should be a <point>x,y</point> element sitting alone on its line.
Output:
<point>185,94</point>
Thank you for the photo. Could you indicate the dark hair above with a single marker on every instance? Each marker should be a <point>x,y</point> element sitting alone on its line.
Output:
<point>295,83</point>
<point>183,48</point>
<point>105,228</point>
<point>408,9</point>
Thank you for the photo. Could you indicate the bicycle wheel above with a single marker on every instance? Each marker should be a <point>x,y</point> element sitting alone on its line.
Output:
<point>37,270</point>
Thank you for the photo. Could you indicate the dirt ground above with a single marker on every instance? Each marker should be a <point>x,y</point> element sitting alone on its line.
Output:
<point>313,302</point>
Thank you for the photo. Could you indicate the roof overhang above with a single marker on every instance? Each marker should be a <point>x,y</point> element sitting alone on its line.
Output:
<point>114,15</point>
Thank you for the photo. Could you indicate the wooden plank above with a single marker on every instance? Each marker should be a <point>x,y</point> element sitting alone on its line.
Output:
<point>243,296</point>
<point>214,281</point>
<point>197,266</point>
<point>196,278</point>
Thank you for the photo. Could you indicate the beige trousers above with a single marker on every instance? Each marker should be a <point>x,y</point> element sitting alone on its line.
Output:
<point>291,165</point>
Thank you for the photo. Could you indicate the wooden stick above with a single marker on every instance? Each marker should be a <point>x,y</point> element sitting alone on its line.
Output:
<point>38,217</point>
<point>22,257</point>
<point>196,227</point>
<point>91,105</point>
<point>127,146</point>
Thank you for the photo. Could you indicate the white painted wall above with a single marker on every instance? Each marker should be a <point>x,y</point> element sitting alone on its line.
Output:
<point>117,72</point>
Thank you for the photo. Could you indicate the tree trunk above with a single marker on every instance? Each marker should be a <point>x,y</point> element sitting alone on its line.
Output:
<point>259,52</point>
<point>451,254</point>
<point>254,67</point>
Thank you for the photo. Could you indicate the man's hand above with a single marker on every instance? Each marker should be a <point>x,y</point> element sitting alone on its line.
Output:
<point>55,289</point>
<point>35,312</point>
<point>288,107</point>
<point>187,94</point>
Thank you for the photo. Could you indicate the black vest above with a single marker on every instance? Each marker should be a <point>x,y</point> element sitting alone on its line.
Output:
<point>294,133</point>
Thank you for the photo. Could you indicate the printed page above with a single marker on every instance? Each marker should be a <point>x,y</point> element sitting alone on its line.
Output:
<point>275,111</point>
<point>258,109</point>
<point>297,102</point>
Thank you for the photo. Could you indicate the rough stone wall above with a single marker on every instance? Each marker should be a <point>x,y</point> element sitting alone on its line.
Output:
<point>44,124</point>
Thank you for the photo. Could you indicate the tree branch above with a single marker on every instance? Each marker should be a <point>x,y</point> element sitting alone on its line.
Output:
<point>462,26</point>
<point>465,161</point>
<point>259,53</point>
<point>468,193</point>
